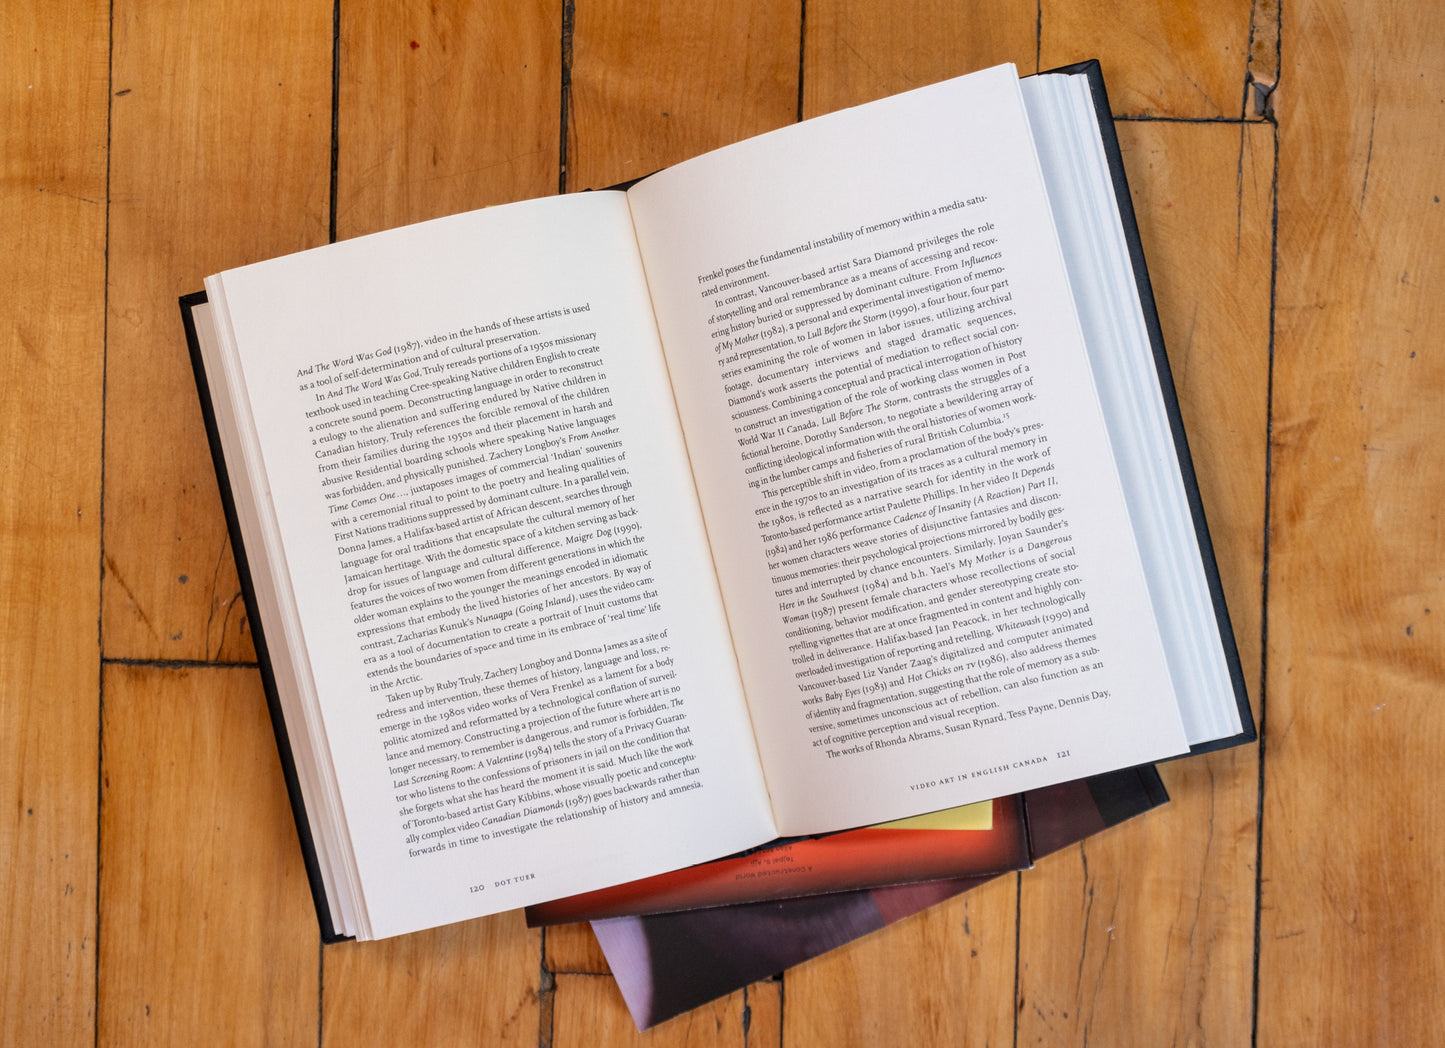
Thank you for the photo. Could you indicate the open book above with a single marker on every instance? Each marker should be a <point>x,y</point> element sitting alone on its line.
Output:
<point>826,479</point>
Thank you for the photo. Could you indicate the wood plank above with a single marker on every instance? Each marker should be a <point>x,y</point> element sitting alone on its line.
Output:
<point>573,948</point>
<point>52,325</point>
<point>590,1013</point>
<point>944,976</point>
<point>857,51</point>
<point>472,983</point>
<point>763,1014</point>
<point>445,108</point>
<point>1146,934</point>
<point>1160,57</point>
<point>1350,944</point>
<point>206,921</point>
<point>220,155</point>
<point>653,83</point>
<point>52,222</point>
<point>442,109</point>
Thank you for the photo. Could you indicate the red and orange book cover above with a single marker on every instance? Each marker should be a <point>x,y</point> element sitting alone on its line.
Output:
<point>670,962</point>
<point>976,839</point>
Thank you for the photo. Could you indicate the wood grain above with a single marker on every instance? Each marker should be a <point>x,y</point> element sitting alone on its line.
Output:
<point>52,319</point>
<point>855,51</point>
<point>206,922</point>
<point>881,990</point>
<point>573,948</point>
<point>1350,943</point>
<point>439,987</point>
<point>1161,58</point>
<point>1144,935</point>
<point>220,155</point>
<point>763,1014</point>
<point>653,82</point>
<point>445,108</point>
<point>590,1014</point>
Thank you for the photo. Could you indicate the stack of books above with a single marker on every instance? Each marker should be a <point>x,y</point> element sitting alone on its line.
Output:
<point>832,479</point>
<point>667,961</point>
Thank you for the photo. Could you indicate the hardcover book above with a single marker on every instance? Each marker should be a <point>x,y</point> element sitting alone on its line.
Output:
<point>666,964</point>
<point>830,478</point>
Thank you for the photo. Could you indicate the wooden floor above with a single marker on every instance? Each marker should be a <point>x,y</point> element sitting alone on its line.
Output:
<point>1288,163</point>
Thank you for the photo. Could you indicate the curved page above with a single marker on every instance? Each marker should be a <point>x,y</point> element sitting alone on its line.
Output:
<point>909,489</point>
<point>511,626</point>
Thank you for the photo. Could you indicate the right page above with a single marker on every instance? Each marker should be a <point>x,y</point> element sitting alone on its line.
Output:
<point>914,510</point>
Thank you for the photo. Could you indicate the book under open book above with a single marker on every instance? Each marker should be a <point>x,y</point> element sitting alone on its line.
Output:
<point>826,479</point>
<point>667,963</point>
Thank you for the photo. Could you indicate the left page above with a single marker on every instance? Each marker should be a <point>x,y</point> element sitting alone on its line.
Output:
<point>496,587</point>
